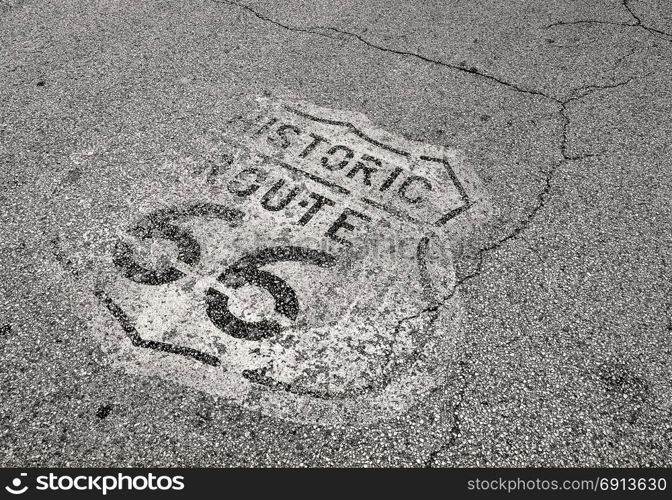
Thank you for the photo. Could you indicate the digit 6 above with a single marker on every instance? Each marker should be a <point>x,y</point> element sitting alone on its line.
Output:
<point>158,225</point>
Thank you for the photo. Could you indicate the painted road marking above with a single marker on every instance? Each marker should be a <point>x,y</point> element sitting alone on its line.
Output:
<point>308,274</point>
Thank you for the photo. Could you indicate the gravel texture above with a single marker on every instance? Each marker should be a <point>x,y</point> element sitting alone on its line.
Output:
<point>564,112</point>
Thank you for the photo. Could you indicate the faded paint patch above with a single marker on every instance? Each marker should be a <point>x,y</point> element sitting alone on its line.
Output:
<point>306,272</point>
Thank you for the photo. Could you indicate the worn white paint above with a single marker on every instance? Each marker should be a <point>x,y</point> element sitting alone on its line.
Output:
<point>361,340</point>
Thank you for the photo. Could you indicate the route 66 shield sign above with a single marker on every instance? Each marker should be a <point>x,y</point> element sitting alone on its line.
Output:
<point>306,272</point>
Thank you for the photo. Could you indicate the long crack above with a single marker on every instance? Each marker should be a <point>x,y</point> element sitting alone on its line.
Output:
<point>320,31</point>
<point>455,431</point>
<point>563,104</point>
<point>636,23</point>
<point>579,93</point>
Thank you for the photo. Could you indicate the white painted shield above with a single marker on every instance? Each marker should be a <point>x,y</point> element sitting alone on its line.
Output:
<point>306,273</point>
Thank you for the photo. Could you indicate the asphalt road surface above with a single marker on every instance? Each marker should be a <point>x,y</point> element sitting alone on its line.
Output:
<point>359,233</point>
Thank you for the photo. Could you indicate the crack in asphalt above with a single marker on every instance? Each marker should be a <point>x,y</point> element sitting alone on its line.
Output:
<point>548,176</point>
<point>309,30</point>
<point>622,59</point>
<point>668,306</point>
<point>576,95</point>
<point>319,30</point>
<point>563,104</point>
<point>455,431</point>
<point>636,23</point>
